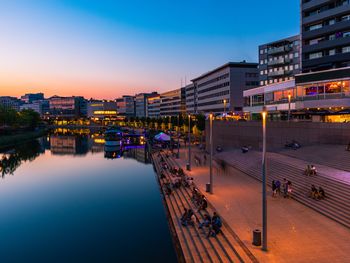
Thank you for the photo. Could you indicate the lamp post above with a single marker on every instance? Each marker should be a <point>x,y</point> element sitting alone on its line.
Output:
<point>225,107</point>
<point>289,99</point>
<point>189,143</point>
<point>264,202</point>
<point>178,137</point>
<point>211,153</point>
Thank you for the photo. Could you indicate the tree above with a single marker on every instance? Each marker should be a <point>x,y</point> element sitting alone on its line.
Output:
<point>200,122</point>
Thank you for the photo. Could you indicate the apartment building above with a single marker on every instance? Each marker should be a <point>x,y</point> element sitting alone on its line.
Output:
<point>279,60</point>
<point>325,34</point>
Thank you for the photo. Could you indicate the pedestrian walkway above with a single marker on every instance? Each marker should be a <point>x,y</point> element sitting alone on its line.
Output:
<point>296,233</point>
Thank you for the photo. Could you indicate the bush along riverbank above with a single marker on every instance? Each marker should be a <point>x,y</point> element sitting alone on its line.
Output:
<point>7,141</point>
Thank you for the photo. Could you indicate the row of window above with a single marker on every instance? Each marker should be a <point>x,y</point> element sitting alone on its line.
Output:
<point>251,75</point>
<point>328,22</point>
<point>330,52</point>
<point>252,83</point>
<point>290,56</point>
<point>265,50</point>
<point>225,84</point>
<point>271,81</point>
<point>224,76</point>
<point>329,37</point>
<point>288,67</point>
<point>218,94</point>
<point>326,7</point>
<point>212,103</point>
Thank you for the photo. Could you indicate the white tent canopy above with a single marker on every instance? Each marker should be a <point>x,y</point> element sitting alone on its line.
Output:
<point>162,137</point>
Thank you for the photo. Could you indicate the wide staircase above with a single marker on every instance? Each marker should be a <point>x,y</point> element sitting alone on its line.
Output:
<point>195,245</point>
<point>330,155</point>
<point>336,205</point>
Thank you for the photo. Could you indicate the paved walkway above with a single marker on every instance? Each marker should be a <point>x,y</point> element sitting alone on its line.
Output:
<point>295,232</point>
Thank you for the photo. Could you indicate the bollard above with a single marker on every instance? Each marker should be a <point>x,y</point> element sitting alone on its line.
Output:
<point>256,237</point>
<point>207,187</point>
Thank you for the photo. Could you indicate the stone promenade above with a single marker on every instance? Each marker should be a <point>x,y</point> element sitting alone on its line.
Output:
<point>296,233</point>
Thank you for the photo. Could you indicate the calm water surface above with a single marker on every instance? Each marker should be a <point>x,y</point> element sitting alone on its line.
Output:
<point>63,200</point>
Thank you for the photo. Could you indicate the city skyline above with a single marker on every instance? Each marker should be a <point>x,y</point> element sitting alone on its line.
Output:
<point>109,49</point>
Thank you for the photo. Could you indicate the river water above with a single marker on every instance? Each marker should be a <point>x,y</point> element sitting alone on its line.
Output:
<point>64,199</point>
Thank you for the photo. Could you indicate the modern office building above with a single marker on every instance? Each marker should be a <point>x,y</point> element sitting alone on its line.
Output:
<point>317,96</point>
<point>190,95</point>
<point>153,106</point>
<point>10,102</point>
<point>31,97</point>
<point>141,103</point>
<point>279,60</point>
<point>40,106</point>
<point>173,103</point>
<point>325,34</point>
<point>102,109</point>
<point>221,90</point>
<point>67,107</point>
<point>126,106</point>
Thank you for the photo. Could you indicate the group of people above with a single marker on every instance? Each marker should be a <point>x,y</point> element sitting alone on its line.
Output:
<point>286,187</point>
<point>317,194</point>
<point>213,224</point>
<point>198,199</point>
<point>310,170</point>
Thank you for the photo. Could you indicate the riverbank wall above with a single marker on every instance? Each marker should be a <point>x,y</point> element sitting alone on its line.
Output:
<point>12,140</point>
<point>228,134</point>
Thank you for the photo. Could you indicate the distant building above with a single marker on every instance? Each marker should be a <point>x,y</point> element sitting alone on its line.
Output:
<point>126,106</point>
<point>153,106</point>
<point>173,103</point>
<point>39,106</point>
<point>141,103</point>
<point>67,107</point>
<point>279,60</point>
<point>10,102</point>
<point>102,109</point>
<point>325,34</point>
<point>222,89</point>
<point>31,97</point>
<point>191,95</point>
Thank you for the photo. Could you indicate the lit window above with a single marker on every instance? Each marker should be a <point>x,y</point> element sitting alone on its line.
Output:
<point>332,52</point>
<point>296,54</point>
<point>296,66</point>
<point>314,27</point>
<point>346,49</point>
<point>291,56</point>
<point>315,55</point>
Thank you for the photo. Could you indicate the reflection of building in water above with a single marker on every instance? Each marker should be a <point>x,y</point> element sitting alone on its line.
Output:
<point>96,143</point>
<point>138,153</point>
<point>68,144</point>
<point>113,152</point>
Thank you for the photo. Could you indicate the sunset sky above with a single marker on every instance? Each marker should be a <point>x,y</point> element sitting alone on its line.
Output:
<point>104,49</point>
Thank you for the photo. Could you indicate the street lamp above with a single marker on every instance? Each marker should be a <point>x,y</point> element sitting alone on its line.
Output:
<point>189,143</point>
<point>289,98</point>
<point>224,107</point>
<point>178,137</point>
<point>264,202</point>
<point>211,152</point>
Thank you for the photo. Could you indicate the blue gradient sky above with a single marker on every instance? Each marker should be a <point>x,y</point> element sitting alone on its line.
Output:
<point>104,49</point>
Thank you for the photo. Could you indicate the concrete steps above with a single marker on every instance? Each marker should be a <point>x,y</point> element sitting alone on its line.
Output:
<point>194,242</point>
<point>337,204</point>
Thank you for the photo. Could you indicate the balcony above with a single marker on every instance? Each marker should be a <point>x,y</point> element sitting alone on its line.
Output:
<point>337,27</point>
<point>325,14</point>
<point>276,73</point>
<point>276,62</point>
<point>277,50</point>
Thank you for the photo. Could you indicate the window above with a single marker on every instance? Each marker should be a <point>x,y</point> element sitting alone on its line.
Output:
<point>265,82</point>
<point>261,51</point>
<point>346,34</point>
<point>315,41</point>
<point>291,67</point>
<point>346,49</point>
<point>296,66</point>
<point>265,61</point>
<point>331,52</point>
<point>296,54</point>
<point>291,56</point>
<point>315,55</point>
<point>261,83</point>
<point>296,43</point>
<point>345,18</point>
<point>331,22</point>
<point>286,67</point>
<point>262,72</point>
<point>261,62</point>
<point>331,37</point>
<point>314,27</point>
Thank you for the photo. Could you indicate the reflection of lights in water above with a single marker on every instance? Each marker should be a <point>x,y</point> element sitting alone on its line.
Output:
<point>99,140</point>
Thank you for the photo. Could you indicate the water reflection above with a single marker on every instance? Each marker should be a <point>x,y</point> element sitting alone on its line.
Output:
<point>11,159</point>
<point>79,142</point>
